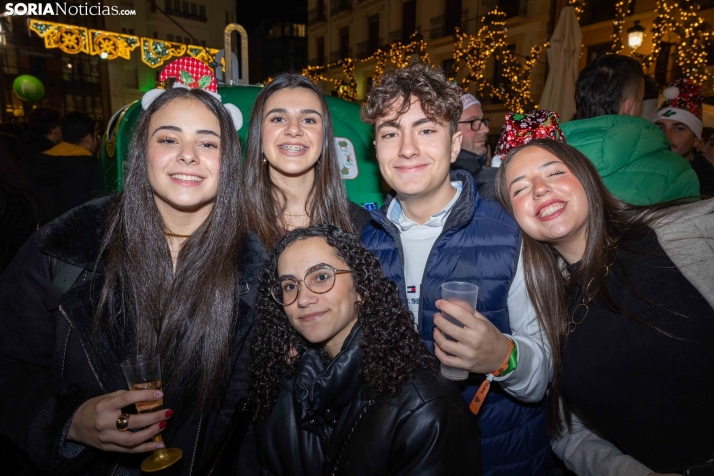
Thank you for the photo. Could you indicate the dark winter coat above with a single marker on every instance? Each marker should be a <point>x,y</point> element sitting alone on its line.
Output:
<point>323,423</point>
<point>479,244</point>
<point>49,366</point>
<point>64,177</point>
<point>484,176</point>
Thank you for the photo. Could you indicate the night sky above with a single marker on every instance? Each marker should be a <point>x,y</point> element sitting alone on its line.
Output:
<point>250,13</point>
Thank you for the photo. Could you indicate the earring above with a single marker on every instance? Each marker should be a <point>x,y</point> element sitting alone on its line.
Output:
<point>264,159</point>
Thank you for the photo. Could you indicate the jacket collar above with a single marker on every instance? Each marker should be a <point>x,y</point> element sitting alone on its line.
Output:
<point>75,236</point>
<point>468,161</point>
<point>461,214</point>
<point>66,149</point>
<point>325,390</point>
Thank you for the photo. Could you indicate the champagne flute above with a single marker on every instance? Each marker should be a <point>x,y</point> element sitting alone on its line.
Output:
<point>143,372</point>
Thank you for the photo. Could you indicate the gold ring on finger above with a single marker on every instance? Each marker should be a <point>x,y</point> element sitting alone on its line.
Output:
<point>123,422</point>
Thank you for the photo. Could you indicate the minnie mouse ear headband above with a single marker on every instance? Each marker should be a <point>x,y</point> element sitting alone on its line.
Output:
<point>191,73</point>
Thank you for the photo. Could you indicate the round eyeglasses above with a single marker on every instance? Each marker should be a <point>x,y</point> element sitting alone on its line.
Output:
<point>319,279</point>
<point>475,124</point>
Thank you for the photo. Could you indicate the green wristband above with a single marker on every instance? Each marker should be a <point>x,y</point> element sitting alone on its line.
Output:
<point>512,360</point>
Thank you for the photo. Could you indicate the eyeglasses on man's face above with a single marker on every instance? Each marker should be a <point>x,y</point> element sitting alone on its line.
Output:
<point>475,124</point>
<point>319,279</point>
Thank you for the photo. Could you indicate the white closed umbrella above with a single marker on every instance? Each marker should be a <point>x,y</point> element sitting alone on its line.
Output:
<point>563,59</point>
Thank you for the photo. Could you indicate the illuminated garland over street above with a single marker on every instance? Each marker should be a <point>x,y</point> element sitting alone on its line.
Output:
<point>74,39</point>
<point>470,52</point>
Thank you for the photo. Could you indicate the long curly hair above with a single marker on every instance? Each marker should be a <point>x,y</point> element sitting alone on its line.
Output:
<point>390,345</point>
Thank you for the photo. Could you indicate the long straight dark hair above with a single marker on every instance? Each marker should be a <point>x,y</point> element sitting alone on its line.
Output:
<point>185,315</point>
<point>326,202</point>
<point>548,288</point>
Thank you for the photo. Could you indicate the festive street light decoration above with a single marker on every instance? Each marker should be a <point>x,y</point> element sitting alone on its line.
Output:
<point>681,17</point>
<point>635,35</point>
<point>73,39</point>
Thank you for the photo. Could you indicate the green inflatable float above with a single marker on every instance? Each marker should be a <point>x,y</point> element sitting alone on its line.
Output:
<point>353,138</point>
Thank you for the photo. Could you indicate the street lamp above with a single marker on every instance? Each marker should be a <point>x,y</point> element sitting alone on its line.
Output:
<point>635,35</point>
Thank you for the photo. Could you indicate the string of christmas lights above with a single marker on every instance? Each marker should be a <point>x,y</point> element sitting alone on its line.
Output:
<point>471,53</point>
<point>622,9</point>
<point>681,17</point>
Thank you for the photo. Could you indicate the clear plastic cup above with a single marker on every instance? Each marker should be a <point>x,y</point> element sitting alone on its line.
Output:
<point>466,296</point>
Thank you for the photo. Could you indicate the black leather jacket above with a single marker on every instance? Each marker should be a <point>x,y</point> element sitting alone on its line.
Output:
<point>324,423</point>
<point>49,367</point>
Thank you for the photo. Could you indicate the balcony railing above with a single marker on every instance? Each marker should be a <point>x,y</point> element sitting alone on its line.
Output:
<point>439,26</point>
<point>339,6</point>
<point>401,35</point>
<point>364,50</point>
<point>512,8</point>
<point>317,15</point>
<point>337,55</point>
<point>190,16</point>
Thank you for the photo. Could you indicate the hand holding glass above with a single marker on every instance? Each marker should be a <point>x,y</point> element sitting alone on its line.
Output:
<point>466,296</point>
<point>143,372</point>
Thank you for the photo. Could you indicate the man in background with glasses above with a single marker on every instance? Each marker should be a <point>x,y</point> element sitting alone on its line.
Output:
<point>473,157</point>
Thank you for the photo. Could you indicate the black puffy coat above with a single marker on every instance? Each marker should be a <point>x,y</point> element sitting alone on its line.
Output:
<point>49,367</point>
<point>323,423</point>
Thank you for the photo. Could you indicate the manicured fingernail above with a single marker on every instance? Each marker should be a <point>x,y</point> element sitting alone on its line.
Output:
<point>162,425</point>
<point>169,413</point>
<point>160,445</point>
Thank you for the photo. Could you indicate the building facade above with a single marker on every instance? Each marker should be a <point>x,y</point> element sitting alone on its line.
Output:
<point>88,83</point>
<point>356,28</point>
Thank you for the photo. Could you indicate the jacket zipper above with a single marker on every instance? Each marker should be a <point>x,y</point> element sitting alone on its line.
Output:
<point>86,354</point>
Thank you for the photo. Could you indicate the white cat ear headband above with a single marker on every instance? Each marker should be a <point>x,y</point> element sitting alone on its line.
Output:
<point>190,73</point>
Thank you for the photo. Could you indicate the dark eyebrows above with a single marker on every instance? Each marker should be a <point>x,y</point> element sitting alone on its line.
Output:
<point>167,128</point>
<point>395,124</point>
<point>207,131</point>
<point>178,129</point>
<point>310,111</point>
<point>281,110</point>
<point>391,123</point>
<point>421,121</point>
<point>547,164</point>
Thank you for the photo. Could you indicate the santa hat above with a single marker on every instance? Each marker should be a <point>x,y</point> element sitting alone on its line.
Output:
<point>683,103</point>
<point>468,100</point>
<point>523,128</point>
<point>191,73</point>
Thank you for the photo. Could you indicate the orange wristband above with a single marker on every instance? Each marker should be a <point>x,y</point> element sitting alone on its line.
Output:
<point>485,386</point>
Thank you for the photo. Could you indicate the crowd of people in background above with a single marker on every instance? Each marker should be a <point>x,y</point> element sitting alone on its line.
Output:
<point>301,334</point>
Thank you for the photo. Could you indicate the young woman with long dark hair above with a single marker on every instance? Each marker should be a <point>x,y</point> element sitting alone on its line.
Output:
<point>343,382</point>
<point>164,266</point>
<point>626,295</point>
<point>291,167</point>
